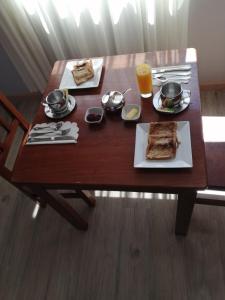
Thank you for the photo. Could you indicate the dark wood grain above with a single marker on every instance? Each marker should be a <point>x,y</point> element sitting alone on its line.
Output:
<point>130,251</point>
<point>63,208</point>
<point>35,192</point>
<point>103,157</point>
<point>215,161</point>
<point>185,205</point>
<point>16,120</point>
<point>215,157</point>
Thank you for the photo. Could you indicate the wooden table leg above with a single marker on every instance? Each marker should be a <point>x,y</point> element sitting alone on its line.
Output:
<point>63,208</point>
<point>30,193</point>
<point>87,197</point>
<point>185,207</point>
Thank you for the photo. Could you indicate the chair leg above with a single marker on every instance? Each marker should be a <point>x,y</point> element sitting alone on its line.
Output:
<point>63,208</point>
<point>42,202</point>
<point>26,190</point>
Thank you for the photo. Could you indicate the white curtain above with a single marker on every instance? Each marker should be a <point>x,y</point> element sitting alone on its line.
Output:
<point>36,33</point>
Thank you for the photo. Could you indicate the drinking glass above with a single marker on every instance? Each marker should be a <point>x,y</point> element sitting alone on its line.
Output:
<point>144,79</point>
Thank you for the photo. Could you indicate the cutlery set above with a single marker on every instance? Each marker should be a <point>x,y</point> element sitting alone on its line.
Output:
<point>53,132</point>
<point>180,74</point>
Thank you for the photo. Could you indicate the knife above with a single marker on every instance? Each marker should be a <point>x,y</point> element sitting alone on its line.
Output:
<point>172,78</point>
<point>173,74</point>
<point>171,69</point>
<point>53,138</point>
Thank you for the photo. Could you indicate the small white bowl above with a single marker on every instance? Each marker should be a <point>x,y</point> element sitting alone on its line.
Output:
<point>127,110</point>
<point>94,111</point>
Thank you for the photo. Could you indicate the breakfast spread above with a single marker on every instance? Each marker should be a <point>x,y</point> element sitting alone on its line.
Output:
<point>83,71</point>
<point>162,140</point>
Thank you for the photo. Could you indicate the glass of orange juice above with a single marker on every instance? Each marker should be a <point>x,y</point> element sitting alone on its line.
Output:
<point>144,79</point>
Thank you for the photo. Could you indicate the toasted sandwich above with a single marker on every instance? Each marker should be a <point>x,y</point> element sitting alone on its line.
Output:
<point>83,71</point>
<point>162,140</point>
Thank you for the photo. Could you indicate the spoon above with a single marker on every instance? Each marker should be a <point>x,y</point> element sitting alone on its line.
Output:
<point>127,90</point>
<point>110,95</point>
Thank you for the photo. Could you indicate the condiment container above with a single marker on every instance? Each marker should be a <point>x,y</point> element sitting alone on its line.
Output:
<point>131,112</point>
<point>94,115</point>
<point>113,101</point>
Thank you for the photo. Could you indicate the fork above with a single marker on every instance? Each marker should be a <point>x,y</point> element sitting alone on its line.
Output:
<point>51,133</point>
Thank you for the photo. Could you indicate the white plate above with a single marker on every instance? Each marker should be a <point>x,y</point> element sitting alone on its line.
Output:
<point>185,101</point>
<point>67,81</point>
<point>183,157</point>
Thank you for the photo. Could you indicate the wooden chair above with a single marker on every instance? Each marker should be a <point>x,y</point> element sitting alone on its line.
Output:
<point>215,161</point>
<point>13,130</point>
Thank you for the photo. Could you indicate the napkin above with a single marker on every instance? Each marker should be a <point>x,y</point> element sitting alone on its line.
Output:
<point>53,133</point>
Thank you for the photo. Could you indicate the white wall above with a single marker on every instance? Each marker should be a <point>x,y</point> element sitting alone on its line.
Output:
<point>10,81</point>
<point>207,35</point>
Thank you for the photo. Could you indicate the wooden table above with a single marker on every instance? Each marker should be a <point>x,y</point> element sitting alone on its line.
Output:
<point>103,157</point>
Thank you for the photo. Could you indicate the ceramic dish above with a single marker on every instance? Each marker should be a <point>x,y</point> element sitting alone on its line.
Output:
<point>94,115</point>
<point>131,112</point>
<point>60,115</point>
<point>68,82</point>
<point>183,157</point>
<point>184,103</point>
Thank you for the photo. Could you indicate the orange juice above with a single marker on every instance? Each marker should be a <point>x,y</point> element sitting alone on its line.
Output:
<point>144,79</point>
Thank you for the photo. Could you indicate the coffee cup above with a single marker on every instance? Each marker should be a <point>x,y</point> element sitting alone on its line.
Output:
<point>171,93</point>
<point>57,100</point>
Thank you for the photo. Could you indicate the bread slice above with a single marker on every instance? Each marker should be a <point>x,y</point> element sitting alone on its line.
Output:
<point>161,148</point>
<point>163,128</point>
<point>162,140</point>
<point>83,71</point>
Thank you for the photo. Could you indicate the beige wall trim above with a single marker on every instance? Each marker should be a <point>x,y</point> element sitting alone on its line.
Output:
<point>220,86</point>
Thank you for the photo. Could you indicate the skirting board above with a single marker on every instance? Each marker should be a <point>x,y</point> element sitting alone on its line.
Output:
<point>219,86</point>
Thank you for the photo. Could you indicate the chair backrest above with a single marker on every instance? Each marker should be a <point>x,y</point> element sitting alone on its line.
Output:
<point>11,120</point>
<point>215,159</point>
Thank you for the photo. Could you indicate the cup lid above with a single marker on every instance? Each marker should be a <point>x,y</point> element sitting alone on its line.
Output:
<point>171,89</point>
<point>55,97</point>
<point>112,99</point>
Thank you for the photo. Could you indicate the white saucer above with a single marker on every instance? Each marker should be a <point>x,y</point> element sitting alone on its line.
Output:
<point>185,101</point>
<point>71,106</point>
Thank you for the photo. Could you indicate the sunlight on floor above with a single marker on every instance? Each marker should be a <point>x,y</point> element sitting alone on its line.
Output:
<point>211,194</point>
<point>135,195</point>
<point>207,194</point>
<point>36,210</point>
<point>213,129</point>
